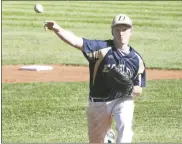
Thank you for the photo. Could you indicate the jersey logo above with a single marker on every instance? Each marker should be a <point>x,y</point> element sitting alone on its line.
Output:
<point>107,67</point>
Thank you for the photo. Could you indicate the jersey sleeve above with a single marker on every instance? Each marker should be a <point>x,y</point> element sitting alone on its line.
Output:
<point>140,79</point>
<point>92,48</point>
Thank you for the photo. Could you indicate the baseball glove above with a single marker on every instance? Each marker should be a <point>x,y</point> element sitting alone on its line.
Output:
<point>120,81</point>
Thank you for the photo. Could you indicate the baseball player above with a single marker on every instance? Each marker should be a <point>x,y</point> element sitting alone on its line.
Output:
<point>117,75</point>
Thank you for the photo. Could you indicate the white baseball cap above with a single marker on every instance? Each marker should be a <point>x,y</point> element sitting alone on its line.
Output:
<point>121,19</point>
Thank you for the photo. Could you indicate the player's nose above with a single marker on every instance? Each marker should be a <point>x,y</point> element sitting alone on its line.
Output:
<point>121,33</point>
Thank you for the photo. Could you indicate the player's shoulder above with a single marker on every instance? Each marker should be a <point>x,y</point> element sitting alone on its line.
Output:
<point>135,52</point>
<point>138,56</point>
<point>99,43</point>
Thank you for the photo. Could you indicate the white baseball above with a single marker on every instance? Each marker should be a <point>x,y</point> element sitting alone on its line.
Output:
<point>38,8</point>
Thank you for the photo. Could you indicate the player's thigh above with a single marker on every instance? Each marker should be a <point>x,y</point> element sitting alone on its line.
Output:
<point>123,116</point>
<point>123,111</point>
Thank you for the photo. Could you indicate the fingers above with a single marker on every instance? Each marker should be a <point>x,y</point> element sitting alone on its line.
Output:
<point>45,26</point>
<point>48,25</point>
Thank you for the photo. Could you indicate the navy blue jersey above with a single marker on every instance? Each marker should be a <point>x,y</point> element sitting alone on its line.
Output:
<point>102,56</point>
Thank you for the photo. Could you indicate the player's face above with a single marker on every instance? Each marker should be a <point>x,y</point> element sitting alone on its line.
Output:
<point>122,34</point>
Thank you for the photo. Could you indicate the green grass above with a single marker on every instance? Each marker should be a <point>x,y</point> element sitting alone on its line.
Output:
<point>158,113</point>
<point>45,112</point>
<point>157,30</point>
<point>56,112</point>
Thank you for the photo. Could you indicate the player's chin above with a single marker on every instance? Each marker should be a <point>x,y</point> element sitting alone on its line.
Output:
<point>122,43</point>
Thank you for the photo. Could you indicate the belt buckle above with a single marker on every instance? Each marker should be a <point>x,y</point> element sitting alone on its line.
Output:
<point>97,100</point>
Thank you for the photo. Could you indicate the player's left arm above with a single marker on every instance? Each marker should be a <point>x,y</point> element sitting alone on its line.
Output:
<point>137,90</point>
<point>139,83</point>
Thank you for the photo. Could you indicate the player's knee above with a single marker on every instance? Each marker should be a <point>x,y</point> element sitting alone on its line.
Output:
<point>125,133</point>
<point>125,128</point>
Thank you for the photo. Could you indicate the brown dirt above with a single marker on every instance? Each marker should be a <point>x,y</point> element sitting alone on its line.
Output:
<point>62,73</point>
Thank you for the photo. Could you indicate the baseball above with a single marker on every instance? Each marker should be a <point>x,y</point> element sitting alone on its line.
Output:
<point>38,8</point>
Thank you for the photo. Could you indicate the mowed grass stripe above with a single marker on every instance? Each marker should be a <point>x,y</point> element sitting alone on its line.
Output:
<point>24,15</point>
<point>94,19</point>
<point>100,7</point>
<point>106,4</point>
<point>134,17</point>
<point>80,28</point>
<point>149,35</point>
<point>80,22</point>
<point>90,12</point>
<point>89,16</point>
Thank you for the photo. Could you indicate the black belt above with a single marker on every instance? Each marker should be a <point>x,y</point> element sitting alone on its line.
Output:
<point>100,99</point>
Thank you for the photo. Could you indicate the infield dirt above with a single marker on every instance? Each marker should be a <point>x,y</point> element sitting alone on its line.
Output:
<point>63,73</point>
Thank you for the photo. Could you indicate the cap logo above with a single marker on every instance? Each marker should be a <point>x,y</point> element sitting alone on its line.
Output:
<point>123,17</point>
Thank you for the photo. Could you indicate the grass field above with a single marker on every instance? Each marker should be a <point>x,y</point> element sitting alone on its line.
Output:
<point>56,112</point>
<point>157,30</point>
